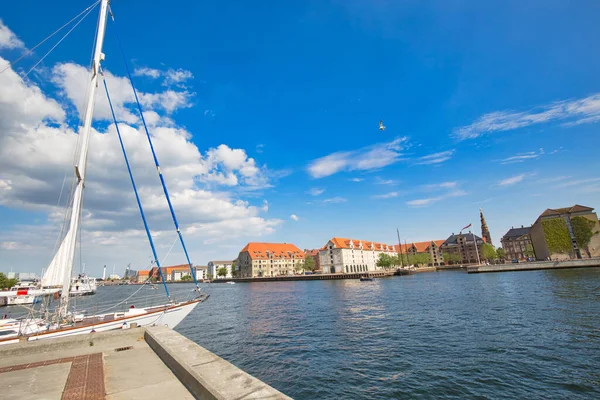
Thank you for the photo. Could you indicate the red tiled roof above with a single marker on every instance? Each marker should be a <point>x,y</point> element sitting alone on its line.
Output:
<point>264,251</point>
<point>344,243</point>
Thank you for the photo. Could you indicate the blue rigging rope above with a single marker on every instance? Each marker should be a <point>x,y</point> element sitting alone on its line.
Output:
<point>162,179</point>
<point>137,196</point>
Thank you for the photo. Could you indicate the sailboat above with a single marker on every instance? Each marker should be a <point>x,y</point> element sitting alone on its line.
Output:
<point>58,274</point>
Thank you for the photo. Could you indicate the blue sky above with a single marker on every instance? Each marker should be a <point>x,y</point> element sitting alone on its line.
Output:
<point>486,104</point>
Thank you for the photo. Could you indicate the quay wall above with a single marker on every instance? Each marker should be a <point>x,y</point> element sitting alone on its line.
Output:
<point>533,266</point>
<point>312,277</point>
<point>204,374</point>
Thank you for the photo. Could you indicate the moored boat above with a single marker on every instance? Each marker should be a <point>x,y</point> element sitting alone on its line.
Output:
<point>65,321</point>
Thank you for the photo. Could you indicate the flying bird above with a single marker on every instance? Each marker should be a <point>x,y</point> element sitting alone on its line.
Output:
<point>381,127</point>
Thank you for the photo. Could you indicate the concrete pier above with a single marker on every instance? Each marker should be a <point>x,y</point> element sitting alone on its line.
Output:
<point>137,363</point>
<point>533,266</point>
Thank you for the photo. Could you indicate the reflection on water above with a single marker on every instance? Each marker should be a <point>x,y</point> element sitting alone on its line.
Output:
<point>436,335</point>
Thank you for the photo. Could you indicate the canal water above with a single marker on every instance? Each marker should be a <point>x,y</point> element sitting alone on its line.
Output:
<point>445,335</point>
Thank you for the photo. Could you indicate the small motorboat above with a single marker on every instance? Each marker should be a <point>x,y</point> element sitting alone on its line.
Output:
<point>366,278</point>
<point>231,283</point>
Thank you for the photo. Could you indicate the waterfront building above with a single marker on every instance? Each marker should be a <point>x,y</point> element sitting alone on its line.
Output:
<point>172,273</point>
<point>214,266</point>
<point>201,272</point>
<point>485,232</point>
<point>270,259</point>
<point>23,276</point>
<point>570,216</point>
<point>314,253</point>
<point>463,245</point>
<point>517,243</point>
<point>433,248</point>
<point>143,275</point>
<point>341,255</point>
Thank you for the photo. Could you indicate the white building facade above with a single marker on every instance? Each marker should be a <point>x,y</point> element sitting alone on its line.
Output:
<point>201,272</point>
<point>347,256</point>
<point>214,266</point>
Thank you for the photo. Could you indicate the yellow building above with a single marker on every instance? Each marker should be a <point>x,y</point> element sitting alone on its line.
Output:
<point>270,259</point>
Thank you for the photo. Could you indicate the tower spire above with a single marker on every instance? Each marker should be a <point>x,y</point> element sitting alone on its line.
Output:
<point>485,232</point>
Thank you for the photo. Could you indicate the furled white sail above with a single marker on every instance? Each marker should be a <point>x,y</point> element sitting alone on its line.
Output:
<point>54,275</point>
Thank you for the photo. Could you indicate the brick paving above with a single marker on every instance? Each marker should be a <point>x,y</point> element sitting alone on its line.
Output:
<point>85,380</point>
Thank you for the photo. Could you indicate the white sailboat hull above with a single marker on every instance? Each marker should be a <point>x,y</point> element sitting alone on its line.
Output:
<point>169,315</point>
<point>17,300</point>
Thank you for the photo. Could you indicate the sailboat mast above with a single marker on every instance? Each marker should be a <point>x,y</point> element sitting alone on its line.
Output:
<point>80,167</point>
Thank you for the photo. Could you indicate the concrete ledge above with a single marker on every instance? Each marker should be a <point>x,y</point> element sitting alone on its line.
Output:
<point>70,342</point>
<point>206,375</point>
<point>533,266</point>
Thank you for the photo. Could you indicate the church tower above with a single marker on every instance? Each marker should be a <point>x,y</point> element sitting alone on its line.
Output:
<point>485,232</point>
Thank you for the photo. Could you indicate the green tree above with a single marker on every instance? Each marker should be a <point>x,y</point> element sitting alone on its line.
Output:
<point>488,252</point>
<point>234,272</point>
<point>309,264</point>
<point>528,252</point>
<point>385,261</point>
<point>6,283</point>
<point>582,230</point>
<point>222,272</point>
<point>451,258</point>
<point>186,278</point>
<point>500,253</point>
<point>557,236</point>
<point>419,259</point>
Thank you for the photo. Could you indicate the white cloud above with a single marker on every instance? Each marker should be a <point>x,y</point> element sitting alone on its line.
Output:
<point>315,191</point>
<point>379,181</point>
<point>294,217</point>
<point>24,103</point>
<point>356,179</point>
<point>571,112</point>
<point>364,159</point>
<point>435,158</point>
<point>430,200</point>
<point>448,189</point>
<point>521,157</point>
<point>71,79</point>
<point>553,179</point>
<point>437,186</point>
<point>334,200</point>
<point>8,40</point>
<point>177,76</point>
<point>171,76</point>
<point>386,195</point>
<point>149,72</point>
<point>35,155</point>
<point>512,180</point>
<point>231,167</point>
<point>578,182</point>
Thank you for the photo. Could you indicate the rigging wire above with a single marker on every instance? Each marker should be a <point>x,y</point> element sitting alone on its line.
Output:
<point>59,42</point>
<point>162,179</point>
<point>137,196</point>
<point>43,41</point>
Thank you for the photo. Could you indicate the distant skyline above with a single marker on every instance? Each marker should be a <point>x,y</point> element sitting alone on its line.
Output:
<point>265,119</point>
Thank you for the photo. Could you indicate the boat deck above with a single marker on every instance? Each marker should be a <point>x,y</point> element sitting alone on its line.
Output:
<point>111,365</point>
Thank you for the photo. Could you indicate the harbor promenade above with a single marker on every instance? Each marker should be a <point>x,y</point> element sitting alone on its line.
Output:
<point>533,266</point>
<point>137,363</point>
